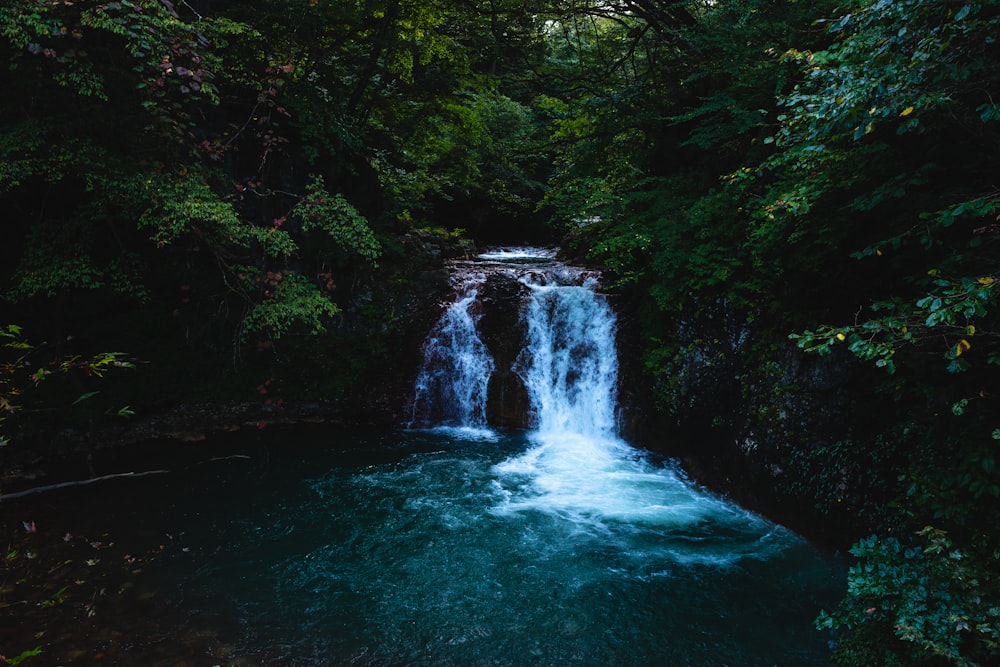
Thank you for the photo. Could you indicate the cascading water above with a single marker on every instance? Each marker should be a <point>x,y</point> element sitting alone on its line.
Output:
<point>451,387</point>
<point>578,469</point>
<point>569,361</point>
<point>552,546</point>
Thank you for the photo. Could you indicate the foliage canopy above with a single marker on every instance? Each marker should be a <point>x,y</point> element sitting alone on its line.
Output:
<point>761,179</point>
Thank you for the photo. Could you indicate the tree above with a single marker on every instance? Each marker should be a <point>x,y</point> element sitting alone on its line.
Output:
<point>900,98</point>
<point>106,88</point>
<point>782,166</point>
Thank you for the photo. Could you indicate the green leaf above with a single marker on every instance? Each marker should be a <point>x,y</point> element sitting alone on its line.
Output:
<point>85,396</point>
<point>24,655</point>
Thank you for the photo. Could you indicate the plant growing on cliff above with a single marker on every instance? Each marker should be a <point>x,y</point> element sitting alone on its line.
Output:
<point>22,656</point>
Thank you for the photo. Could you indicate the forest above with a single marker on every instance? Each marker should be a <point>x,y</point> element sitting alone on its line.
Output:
<point>797,205</point>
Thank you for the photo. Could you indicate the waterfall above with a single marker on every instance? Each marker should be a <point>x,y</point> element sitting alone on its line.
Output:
<point>569,364</point>
<point>567,361</point>
<point>452,384</point>
<point>574,469</point>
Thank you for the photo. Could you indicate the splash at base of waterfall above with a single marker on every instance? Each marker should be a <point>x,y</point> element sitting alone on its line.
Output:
<point>470,433</point>
<point>576,469</point>
<point>419,547</point>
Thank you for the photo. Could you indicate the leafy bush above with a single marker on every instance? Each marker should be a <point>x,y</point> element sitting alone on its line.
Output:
<point>919,600</point>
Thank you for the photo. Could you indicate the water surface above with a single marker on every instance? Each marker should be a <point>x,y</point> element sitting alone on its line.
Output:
<point>428,548</point>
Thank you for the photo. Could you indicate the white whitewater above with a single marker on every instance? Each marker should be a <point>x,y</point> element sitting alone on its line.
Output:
<point>518,254</point>
<point>578,469</point>
<point>569,363</point>
<point>451,387</point>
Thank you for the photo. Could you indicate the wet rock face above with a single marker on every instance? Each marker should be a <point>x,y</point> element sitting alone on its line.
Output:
<point>742,408</point>
<point>502,331</point>
<point>400,309</point>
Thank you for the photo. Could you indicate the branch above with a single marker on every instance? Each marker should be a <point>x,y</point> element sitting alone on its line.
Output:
<point>80,482</point>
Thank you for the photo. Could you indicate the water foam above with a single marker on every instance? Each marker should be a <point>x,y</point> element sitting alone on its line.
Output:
<point>518,254</point>
<point>577,469</point>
